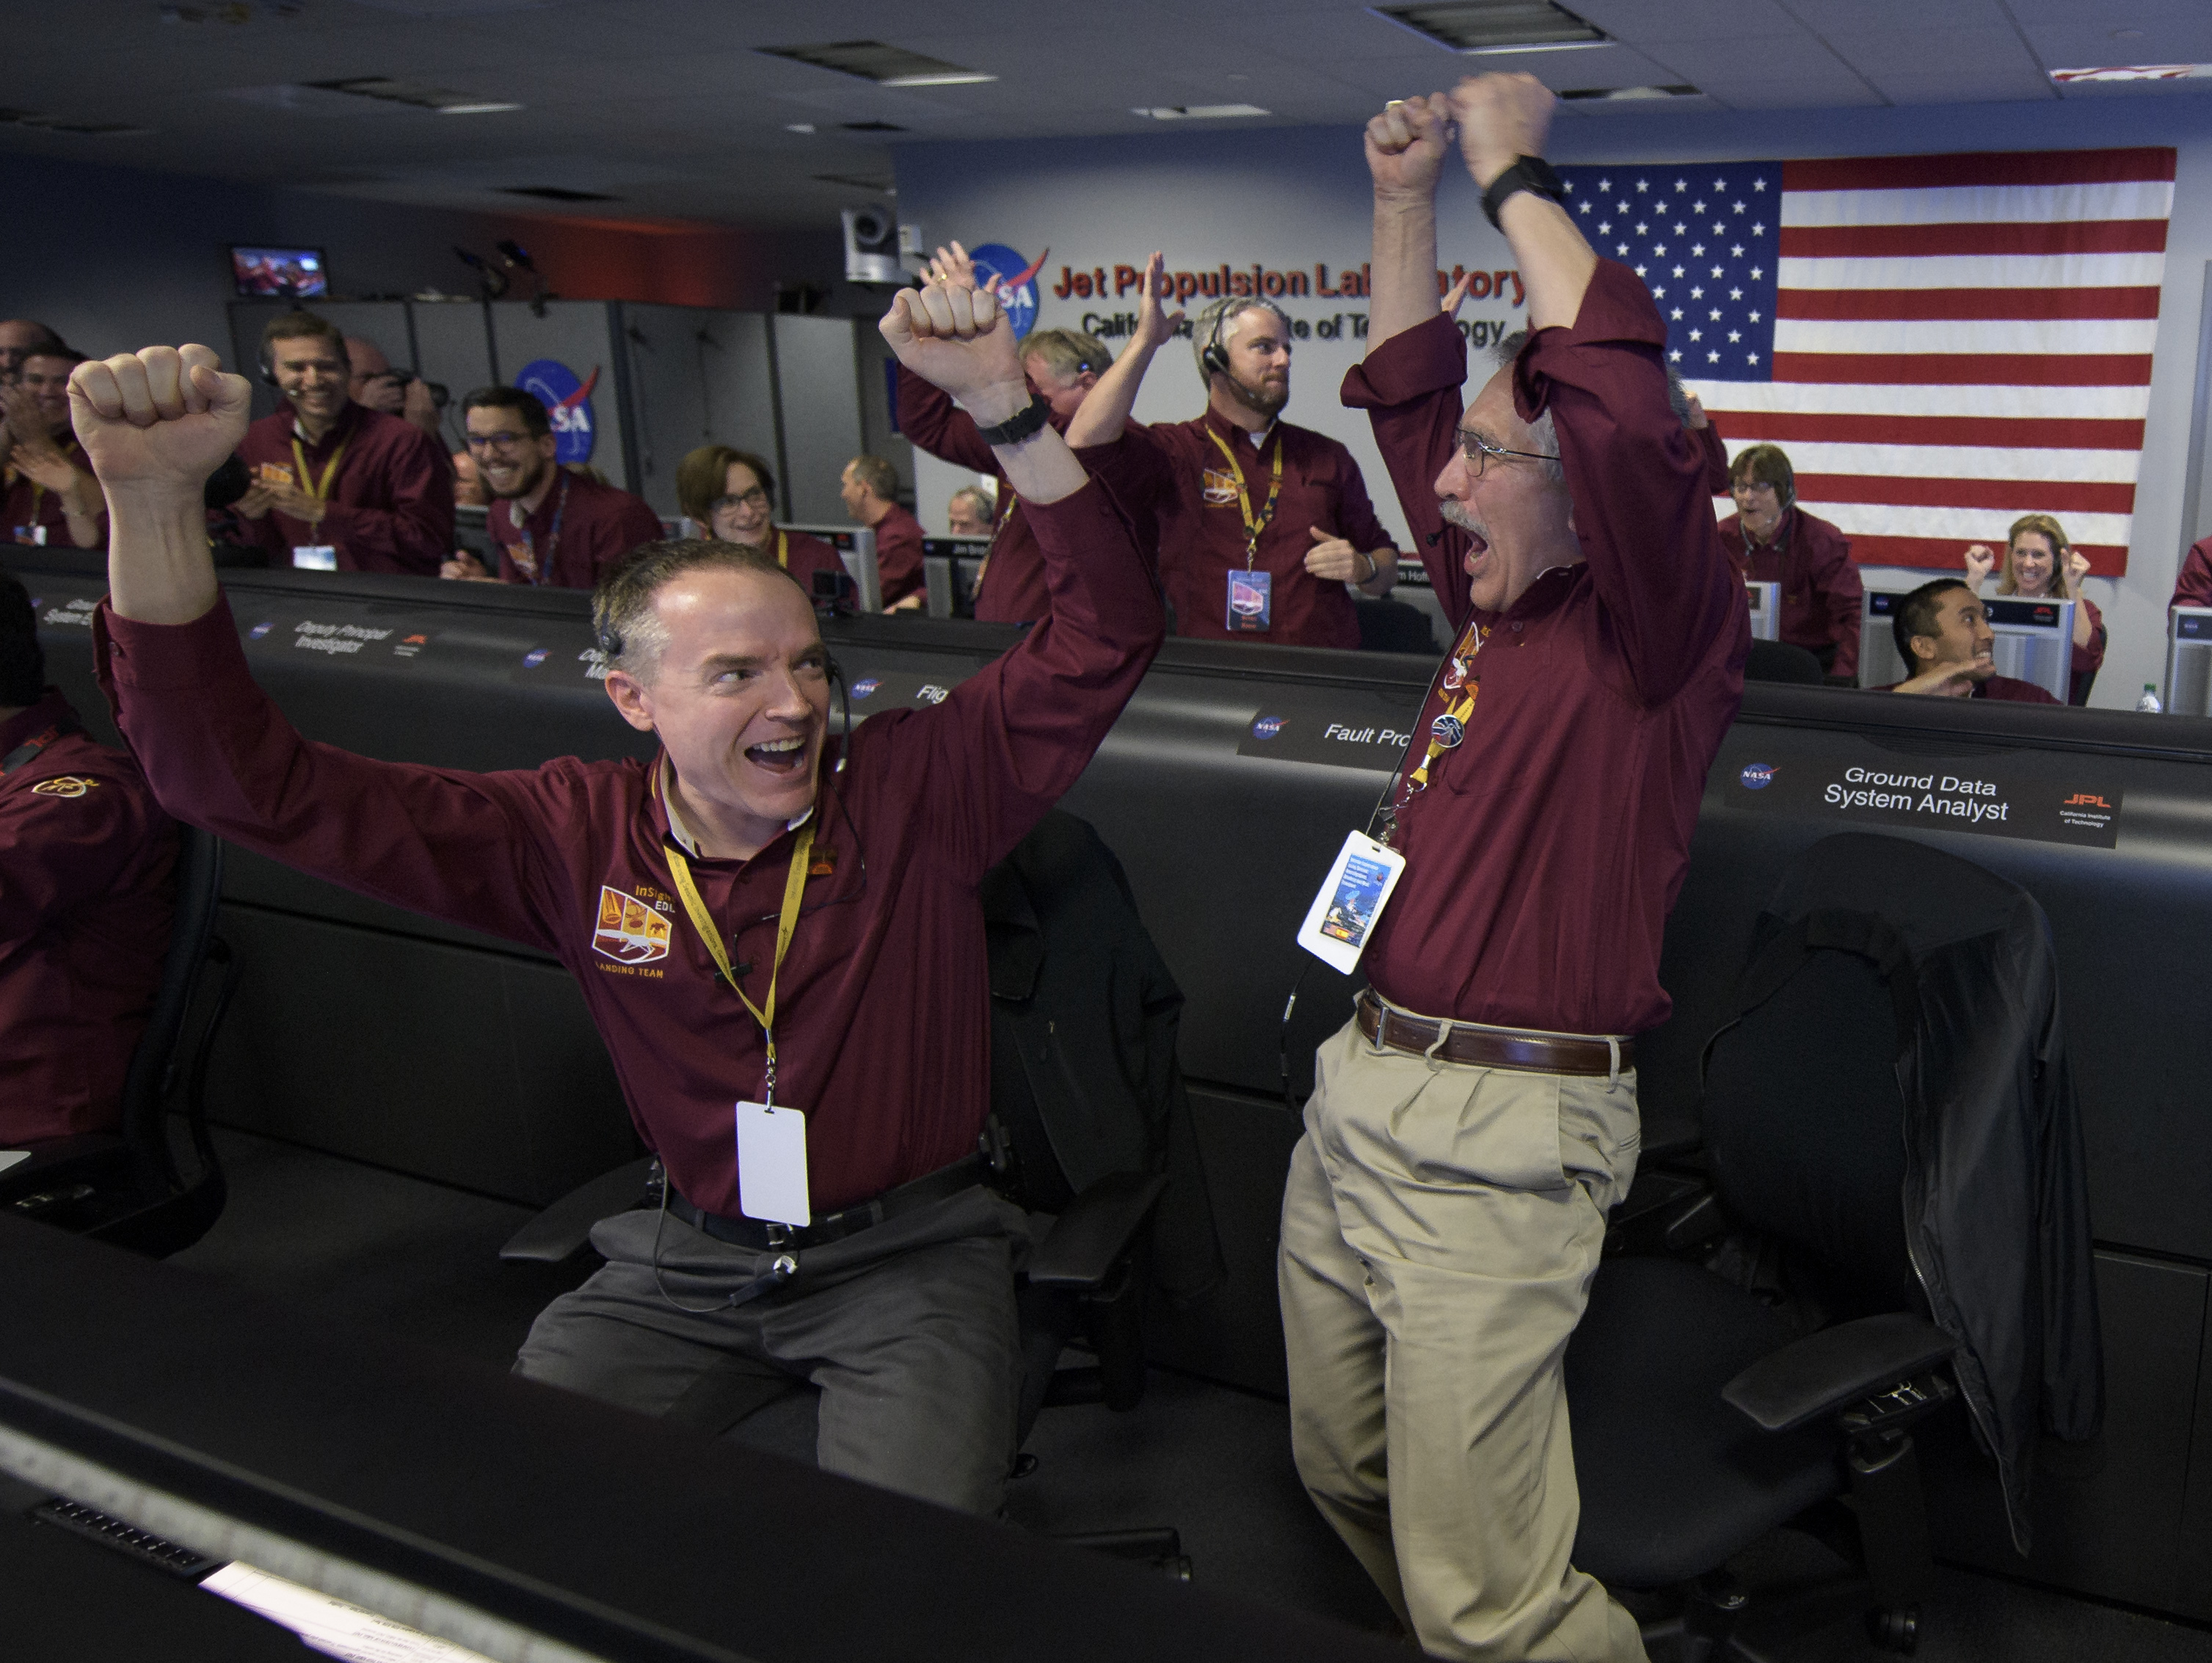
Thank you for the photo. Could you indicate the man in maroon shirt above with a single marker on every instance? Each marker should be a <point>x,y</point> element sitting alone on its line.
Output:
<point>1943,633</point>
<point>835,881</point>
<point>555,529</point>
<point>2192,586</point>
<point>869,486</point>
<point>337,488</point>
<point>1261,523</point>
<point>1471,1126</point>
<point>1772,540</point>
<point>52,498</point>
<point>87,887</point>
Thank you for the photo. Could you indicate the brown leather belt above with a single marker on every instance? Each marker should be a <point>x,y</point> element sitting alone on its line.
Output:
<point>1490,1047</point>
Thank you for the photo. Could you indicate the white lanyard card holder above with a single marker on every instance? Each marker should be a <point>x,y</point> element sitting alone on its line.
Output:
<point>772,1165</point>
<point>1351,901</point>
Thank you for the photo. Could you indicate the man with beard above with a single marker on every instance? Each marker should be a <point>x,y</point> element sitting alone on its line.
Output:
<point>336,487</point>
<point>555,529</point>
<point>1261,525</point>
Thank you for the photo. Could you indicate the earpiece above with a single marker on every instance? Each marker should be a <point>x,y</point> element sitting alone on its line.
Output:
<point>1215,358</point>
<point>845,702</point>
<point>268,365</point>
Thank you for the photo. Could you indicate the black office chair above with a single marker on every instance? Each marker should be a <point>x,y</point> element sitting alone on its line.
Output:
<point>1780,661</point>
<point>1707,1415</point>
<point>126,1187</point>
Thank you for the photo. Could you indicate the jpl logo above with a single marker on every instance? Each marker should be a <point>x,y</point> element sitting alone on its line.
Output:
<point>2083,799</point>
<point>1267,727</point>
<point>568,404</point>
<point>1757,776</point>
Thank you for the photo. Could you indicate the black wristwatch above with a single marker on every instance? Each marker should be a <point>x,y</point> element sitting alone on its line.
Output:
<point>1016,428</point>
<point>1530,173</point>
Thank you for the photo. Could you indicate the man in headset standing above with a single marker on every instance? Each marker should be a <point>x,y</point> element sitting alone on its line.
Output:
<point>1261,523</point>
<point>1470,1127</point>
<point>777,932</point>
<point>337,488</point>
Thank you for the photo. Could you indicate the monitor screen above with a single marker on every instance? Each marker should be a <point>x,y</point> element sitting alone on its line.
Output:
<point>279,273</point>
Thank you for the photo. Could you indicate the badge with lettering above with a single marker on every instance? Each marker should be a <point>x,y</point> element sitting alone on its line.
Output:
<point>315,557</point>
<point>1251,601</point>
<point>1342,917</point>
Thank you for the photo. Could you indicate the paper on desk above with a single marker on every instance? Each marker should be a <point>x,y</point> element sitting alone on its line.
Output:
<point>332,1626</point>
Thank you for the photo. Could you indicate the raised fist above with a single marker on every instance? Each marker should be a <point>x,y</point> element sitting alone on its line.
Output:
<point>959,341</point>
<point>1407,145</point>
<point>2077,567</point>
<point>1981,560</point>
<point>1501,117</point>
<point>162,418</point>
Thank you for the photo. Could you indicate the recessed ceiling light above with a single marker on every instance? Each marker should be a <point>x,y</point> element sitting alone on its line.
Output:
<point>2135,72</point>
<point>1618,94</point>
<point>799,127</point>
<point>1474,26</point>
<point>387,90</point>
<point>475,109</point>
<point>885,65</point>
<point>1200,111</point>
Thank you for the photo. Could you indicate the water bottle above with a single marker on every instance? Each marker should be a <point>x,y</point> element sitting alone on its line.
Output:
<point>2149,699</point>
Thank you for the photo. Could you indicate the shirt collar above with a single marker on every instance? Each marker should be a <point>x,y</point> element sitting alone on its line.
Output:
<point>682,833</point>
<point>339,429</point>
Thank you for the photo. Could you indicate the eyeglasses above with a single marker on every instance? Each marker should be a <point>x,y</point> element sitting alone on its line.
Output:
<point>755,498</point>
<point>1752,487</point>
<point>1478,451</point>
<point>498,441</point>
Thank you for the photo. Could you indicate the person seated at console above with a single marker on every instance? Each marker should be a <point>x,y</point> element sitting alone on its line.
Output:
<point>730,495</point>
<point>2041,564</point>
<point>1772,540</point>
<point>761,914</point>
<point>1943,634</point>
<point>969,512</point>
<point>2192,585</point>
<point>336,487</point>
<point>554,527</point>
<point>869,487</point>
<point>51,497</point>
<point>1265,528</point>
<point>87,889</point>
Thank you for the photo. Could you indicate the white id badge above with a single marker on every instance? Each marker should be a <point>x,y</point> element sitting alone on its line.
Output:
<point>1344,914</point>
<point>315,557</point>
<point>772,1164</point>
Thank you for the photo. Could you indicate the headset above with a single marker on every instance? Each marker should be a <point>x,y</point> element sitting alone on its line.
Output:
<point>1215,358</point>
<point>268,360</point>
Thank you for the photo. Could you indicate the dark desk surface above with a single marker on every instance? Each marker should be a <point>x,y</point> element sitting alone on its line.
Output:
<point>603,1530</point>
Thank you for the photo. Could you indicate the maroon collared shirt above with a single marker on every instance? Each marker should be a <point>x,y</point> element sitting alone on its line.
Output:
<point>1542,858</point>
<point>1177,473</point>
<point>1821,591</point>
<point>2192,586</point>
<point>598,527</point>
<point>391,498</point>
<point>883,1029</point>
<point>87,889</point>
<point>1995,687</point>
<point>29,507</point>
<point>898,555</point>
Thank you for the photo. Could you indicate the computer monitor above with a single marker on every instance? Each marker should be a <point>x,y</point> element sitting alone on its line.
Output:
<point>2189,661</point>
<point>2034,640</point>
<point>1765,600</point>
<point>280,274</point>
<point>951,567</point>
<point>856,547</point>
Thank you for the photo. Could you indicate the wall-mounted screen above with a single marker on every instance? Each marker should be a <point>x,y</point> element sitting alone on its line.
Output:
<point>279,273</point>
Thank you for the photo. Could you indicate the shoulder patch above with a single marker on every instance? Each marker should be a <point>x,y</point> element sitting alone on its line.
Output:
<point>1220,486</point>
<point>64,784</point>
<point>629,930</point>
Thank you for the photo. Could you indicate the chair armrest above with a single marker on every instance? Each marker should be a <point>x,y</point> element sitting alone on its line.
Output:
<point>558,1233</point>
<point>1829,1370</point>
<point>1094,1231</point>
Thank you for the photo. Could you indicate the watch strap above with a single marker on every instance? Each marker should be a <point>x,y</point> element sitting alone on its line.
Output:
<point>1019,427</point>
<point>1530,173</point>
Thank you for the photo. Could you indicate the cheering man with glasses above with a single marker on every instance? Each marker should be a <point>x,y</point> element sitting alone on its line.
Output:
<point>337,488</point>
<point>1470,1127</point>
<point>555,529</point>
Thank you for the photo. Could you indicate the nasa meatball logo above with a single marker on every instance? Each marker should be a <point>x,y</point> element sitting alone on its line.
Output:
<point>259,630</point>
<point>533,658</point>
<point>865,686</point>
<point>568,404</point>
<point>1267,727</point>
<point>1757,776</point>
<point>1018,289</point>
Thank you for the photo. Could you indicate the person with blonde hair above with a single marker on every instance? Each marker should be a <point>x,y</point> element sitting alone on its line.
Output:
<point>2041,563</point>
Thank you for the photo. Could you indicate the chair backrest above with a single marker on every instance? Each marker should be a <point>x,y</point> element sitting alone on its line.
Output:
<point>146,1086</point>
<point>1780,661</point>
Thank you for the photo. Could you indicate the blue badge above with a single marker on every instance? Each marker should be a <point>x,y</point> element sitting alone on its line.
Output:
<point>1448,730</point>
<point>865,686</point>
<point>1757,776</point>
<point>567,403</point>
<point>1267,727</point>
<point>1251,601</point>
<point>533,658</point>
<point>1018,289</point>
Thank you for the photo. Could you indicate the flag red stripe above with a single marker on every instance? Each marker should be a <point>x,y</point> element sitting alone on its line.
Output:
<point>1950,369</point>
<point>2001,433</point>
<point>1867,305</point>
<point>2035,495</point>
<point>2154,162</point>
<point>1994,237</point>
<point>1942,554</point>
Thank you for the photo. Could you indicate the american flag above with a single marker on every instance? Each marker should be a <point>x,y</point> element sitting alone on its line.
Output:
<point>1941,343</point>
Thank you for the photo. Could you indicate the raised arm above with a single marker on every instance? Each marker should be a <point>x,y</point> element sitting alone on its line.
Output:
<point>1407,145</point>
<point>1104,414</point>
<point>1503,118</point>
<point>927,414</point>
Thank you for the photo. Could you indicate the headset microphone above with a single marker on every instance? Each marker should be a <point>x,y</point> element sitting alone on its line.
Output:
<point>845,702</point>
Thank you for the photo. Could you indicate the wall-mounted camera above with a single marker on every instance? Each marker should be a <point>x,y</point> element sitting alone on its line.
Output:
<point>871,247</point>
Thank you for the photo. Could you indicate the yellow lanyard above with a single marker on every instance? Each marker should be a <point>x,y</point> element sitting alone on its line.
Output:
<point>794,885</point>
<point>320,492</point>
<point>1252,527</point>
<point>783,551</point>
<point>1449,729</point>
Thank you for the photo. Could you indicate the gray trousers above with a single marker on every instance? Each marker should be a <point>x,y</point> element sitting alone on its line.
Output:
<point>908,1329</point>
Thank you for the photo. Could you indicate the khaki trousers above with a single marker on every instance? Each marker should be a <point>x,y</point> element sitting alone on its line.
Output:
<point>1440,1230</point>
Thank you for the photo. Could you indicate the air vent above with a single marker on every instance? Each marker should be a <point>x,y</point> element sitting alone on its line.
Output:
<point>443,99</point>
<point>1496,26</point>
<point>1629,95</point>
<point>887,66</point>
<point>871,127</point>
<point>555,193</point>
